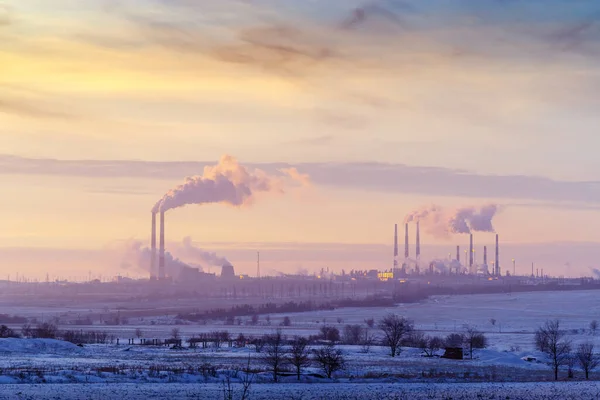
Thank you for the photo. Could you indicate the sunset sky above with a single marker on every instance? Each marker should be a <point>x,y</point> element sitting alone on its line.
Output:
<point>387,105</point>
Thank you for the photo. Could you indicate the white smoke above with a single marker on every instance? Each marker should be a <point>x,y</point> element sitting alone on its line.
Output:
<point>442,223</point>
<point>227,182</point>
<point>134,255</point>
<point>190,252</point>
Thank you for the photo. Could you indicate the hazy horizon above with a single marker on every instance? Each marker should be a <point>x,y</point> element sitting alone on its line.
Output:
<point>106,107</point>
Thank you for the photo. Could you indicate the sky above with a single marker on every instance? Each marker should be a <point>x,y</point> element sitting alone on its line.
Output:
<point>388,106</point>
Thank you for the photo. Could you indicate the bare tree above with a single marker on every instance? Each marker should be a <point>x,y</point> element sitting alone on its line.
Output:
<point>394,329</point>
<point>493,321</point>
<point>431,344</point>
<point>258,343</point>
<point>27,331</point>
<point>329,359</point>
<point>551,340</point>
<point>593,327</point>
<point>175,333</point>
<point>370,322</point>
<point>286,321</point>
<point>275,353</point>
<point>353,334</point>
<point>366,343</point>
<point>474,339</point>
<point>454,340</point>
<point>330,333</point>
<point>586,358</point>
<point>139,333</point>
<point>299,354</point>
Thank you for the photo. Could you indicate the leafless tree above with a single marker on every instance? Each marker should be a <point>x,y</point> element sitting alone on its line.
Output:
<point>454,340</point>
<point>366,343</point>
<point>593,327</point>
<point>175,333</point>
<point>299,354</point>
<point>551,340</point>
<point>275,353</point>
<point>258,343</point>
<point>493,321</point>
<point>586,358</point>
<point>27,331</point>
<point>254,319</point>
<point>353,334</point>
<point>394,329</point>
<point>247,380</point>
<point>329,359</point>
<point>431,344</point>
<point>474,339</point>
<point>139,333</point>
<point>370,322</point>
<point>330,333</point>
<point>45,330</point>
<point>286,321</point>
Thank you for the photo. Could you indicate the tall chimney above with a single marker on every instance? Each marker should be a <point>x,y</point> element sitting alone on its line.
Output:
<point>418,251</point>
<point>161,256</point>
<point>395,245</point>
<point>458,254</point>
<point>153,247</point>
<point>471,250</point>
<point>497,257</point>
<point>406,241</point>
<point>484,255</point>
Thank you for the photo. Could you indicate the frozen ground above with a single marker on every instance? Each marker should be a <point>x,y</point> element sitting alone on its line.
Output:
<point>332,391</point>
<point>100,368</point>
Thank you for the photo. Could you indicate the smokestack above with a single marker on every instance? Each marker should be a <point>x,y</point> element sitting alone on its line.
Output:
<point>161,256</point>
<point>484,255</point>
<point>153,247</point>
<point>418,242</point>
<point>458,254</point>
<point>497,257</point>
<point>470,250</point>
<point>406,241</point>
<point>395,240</point>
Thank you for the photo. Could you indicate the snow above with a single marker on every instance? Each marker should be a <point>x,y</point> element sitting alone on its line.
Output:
<point>37,346</point>
<point>33,367</point>
<point>332,391</point>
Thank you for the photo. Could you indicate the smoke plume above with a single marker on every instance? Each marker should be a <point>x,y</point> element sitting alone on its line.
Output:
<point>442,223</point>
<point>191,252</point>
<point>134,255</point>
<point>227,182</point>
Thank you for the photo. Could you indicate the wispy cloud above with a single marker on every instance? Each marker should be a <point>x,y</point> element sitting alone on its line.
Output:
<point>322,140</point>
<point>380,177</point>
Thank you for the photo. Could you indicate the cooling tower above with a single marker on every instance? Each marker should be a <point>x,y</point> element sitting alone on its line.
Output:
<point>227,271</point>
<point>161,256</point>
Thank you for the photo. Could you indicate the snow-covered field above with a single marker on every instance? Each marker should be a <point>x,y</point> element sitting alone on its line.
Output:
<point>99,371</point>
<point>333,391</point>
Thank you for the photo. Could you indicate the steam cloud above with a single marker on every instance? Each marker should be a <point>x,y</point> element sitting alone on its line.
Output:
<point>227,182</point>
<point>440,222</point>
<point>195,253</point>
<point>135,255</point>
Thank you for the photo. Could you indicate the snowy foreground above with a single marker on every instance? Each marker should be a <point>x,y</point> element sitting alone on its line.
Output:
<point>332,391</point>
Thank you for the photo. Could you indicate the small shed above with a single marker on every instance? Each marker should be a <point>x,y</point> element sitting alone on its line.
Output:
<point>453,353</point>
